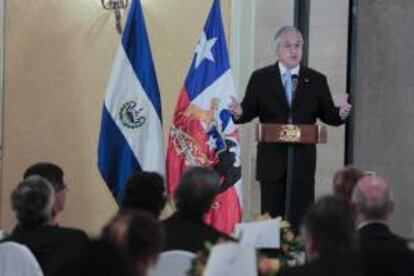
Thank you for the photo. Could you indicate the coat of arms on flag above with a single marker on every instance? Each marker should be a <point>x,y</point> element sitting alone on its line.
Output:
<point>203,132</point>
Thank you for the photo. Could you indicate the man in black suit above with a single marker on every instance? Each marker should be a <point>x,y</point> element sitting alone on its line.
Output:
<point>287,92</point>
<point>383,252</point>
<point>330,241</point>
<point>33,201</point>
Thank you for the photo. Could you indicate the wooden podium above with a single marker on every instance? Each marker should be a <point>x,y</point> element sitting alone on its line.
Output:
<point>290,134</point>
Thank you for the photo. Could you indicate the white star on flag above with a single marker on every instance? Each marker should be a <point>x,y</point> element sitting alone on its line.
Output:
<point>203,49</point>
<point>211,143</point>
<point>236,152</point>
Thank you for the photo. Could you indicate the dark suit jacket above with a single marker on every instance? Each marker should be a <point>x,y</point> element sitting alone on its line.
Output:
<point>51,245</point>
<point>383,252</point>
<point>330,265</point>
<point>188,234</point>
<point>265,98</point>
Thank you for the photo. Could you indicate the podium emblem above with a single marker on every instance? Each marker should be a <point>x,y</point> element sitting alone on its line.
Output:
<point>289,133</point>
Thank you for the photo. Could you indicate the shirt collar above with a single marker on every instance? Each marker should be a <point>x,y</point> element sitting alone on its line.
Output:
<point>368,222</point>
<point>283,69</point>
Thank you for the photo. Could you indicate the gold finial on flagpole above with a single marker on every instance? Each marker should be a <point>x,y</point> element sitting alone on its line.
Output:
<point>116,6</point>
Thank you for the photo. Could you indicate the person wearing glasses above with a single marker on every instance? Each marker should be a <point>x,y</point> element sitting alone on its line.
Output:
<point>54,174</point>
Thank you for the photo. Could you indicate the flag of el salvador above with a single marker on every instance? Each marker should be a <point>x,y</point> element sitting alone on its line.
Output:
<point>131,137</point>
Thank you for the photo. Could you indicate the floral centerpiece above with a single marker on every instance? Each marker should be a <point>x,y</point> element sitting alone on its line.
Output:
<point>290,253</point>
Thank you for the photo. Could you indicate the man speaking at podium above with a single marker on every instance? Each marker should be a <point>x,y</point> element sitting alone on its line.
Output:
<point>287,92</point>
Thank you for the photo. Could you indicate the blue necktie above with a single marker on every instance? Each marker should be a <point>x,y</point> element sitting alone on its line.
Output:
<point>287,83</point>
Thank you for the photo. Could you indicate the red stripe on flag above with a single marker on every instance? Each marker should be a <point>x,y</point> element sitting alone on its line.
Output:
<point>226,211</point>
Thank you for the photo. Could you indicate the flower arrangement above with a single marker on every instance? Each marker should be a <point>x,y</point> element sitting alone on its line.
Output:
<point>290,253</point>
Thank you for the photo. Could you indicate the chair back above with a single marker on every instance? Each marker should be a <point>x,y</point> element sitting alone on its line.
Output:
<point>173,263</point>
<point>18,260</point>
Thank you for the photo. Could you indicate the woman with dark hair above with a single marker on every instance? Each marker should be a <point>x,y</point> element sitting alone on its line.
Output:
<point>145,191</point>
<point>185,229</point>
<point>138,235</point>
<point>345,180</point>
<point>330,240</point>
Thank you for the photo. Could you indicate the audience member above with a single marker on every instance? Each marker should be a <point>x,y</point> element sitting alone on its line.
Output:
<point>383,252</point>
<point>54,174</point>
<point>32,201</point>
<point>17,260</point>
<point>330,240</point>
<point>100,258</point>
<point>139,236</point>
<point>145,191</point>
<point>345,180</point>
<point>185,229</point>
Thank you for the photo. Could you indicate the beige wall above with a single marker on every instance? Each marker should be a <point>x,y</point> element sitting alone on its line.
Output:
<point>384,97</point>
<point>328,44</point>
<point>57,61</point>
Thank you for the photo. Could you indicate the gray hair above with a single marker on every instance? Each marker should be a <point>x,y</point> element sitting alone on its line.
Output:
<point>372,209</point>
<point>32,200</point>
<point>284,30</point>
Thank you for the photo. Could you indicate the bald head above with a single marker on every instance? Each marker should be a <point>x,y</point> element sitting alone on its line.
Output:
<point>372,198</point>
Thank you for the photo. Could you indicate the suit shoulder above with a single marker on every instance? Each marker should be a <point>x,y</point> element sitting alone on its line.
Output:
<point>313,73</point>
<point>403,242</point>
<point>263,74</point>
<point>265,70</point>
<point>73,232</point>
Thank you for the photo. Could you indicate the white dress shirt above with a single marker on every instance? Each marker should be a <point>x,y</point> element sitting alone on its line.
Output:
<point>283,69</point>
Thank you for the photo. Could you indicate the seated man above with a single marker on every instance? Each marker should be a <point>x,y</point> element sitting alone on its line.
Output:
<point>330,240</point>
<point>383,252</point>
<point>54,174</point>
<point>345,180</point>
<point>145,191</point>
<point>185,229</point>
<point>32,201</point>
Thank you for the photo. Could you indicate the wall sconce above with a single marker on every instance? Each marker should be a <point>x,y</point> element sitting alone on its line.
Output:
<point>116,6</point>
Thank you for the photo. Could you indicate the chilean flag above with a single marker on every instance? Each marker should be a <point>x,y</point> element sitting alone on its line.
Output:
<point>131,137</point>
<point>203,132</point>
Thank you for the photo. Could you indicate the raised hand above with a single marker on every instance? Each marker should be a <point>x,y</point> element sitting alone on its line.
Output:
<point>344,108</point>
<point>235,107</point>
